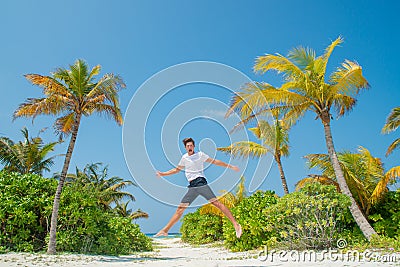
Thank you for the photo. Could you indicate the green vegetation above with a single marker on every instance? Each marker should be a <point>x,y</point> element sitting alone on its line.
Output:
<point>364,173</point>
<point>27,156</point>
<point>72,93</point>
<point>392,123</point>
<point>349,200</point>
<point>275,140</point>
<point>201,229</point>
<point>386,215</point>
<point>305,88</point>
<point>312,218</point>
<point>25,208</point>
<point>255,226</point>
<point>84,226</point>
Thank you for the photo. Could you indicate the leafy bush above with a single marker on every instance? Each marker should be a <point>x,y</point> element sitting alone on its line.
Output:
<point>25,210</point>
<point>312,218</point>
<point>257,229</point>
<point>84,226</point>
<point>386,215</point>
<point>201,229</point>
<point>123,237</point>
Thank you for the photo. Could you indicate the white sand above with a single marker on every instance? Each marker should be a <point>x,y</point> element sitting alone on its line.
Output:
<point>173,252</point>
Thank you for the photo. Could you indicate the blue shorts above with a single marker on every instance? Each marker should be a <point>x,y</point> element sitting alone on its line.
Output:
<point>198,187</point>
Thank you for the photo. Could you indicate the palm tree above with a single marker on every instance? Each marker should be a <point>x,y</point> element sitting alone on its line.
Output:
<point>364,174</point>
<point>392,123</point>
<point>305,89</point>
<point>27,156</point>
<point>122,209</point>
<point>108,188</point>
<point>275,140</point>
<point>72,93</point>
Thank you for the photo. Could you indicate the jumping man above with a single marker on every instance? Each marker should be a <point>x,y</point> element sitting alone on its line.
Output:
<point>192,162</point>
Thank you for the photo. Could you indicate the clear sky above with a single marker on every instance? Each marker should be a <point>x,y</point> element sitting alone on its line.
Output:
<point>137,39</point>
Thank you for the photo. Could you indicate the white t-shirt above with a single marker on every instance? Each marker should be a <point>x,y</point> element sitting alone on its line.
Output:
<point>193,165</point>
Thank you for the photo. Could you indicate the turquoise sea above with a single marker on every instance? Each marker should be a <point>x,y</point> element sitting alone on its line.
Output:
<point>170,235</point>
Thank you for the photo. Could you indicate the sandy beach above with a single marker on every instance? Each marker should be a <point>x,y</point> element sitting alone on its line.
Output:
<point>173,252</point>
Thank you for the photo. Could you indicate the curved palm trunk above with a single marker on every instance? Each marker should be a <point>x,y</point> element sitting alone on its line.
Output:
<point>282,173</point>
<point>56,204</point>
<point>358,216</point>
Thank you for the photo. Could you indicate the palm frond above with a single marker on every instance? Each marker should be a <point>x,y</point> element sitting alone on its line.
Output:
<point>33,107</point>
<point>329,50</point>
<point>392,121</point>
<point>50,85</point>
<point>138,214</point>
<point>280,64</point>
<point>109,86</point>
<point>348,79</point>
<point>78,76</point>
<point>393,146</point>
<point>110,111</point>
<point>65,124</point>
<point>259,97</point>
<point>302,57</point>
<point>343,104</point>
<point>245,149</point>
<point>381,187</point>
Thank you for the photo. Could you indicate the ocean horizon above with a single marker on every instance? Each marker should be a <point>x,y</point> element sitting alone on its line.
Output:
<point>170,235</point>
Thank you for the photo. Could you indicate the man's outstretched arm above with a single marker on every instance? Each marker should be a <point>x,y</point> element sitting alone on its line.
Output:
<point>170,172</point>
<point>222,164</point>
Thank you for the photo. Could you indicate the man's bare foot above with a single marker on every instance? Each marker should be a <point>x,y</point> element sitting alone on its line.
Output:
<point>238,230</point>
<point>161,233</point>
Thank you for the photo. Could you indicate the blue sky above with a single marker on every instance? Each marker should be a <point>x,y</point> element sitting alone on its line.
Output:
<point>137,39</point>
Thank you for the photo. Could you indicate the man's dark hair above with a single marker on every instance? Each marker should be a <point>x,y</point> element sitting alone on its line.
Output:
<point>187,140</point>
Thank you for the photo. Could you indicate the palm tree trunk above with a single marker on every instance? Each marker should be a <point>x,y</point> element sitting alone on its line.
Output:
<point>56,204</point>
<point>358,216</point>
<point>283,178</point>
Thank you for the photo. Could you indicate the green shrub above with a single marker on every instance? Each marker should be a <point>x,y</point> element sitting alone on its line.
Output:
<point>201,229</point>
<point>83,225</point>
<point>312,218</point>
<point>25,210</point>
<point>385,216</point>
<point>123,237</point>
<point>256,228</point>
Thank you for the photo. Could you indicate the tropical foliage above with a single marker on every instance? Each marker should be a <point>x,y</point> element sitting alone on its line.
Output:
<point>306,87</point>
<point>96,179</point>
<point>364,174</point>
<point>250,215</point>
<point>85,227</point>
<point>386,215</point>
<point>123,210</point>
<point>200,228</point>
<point>311,218</point>
<point>25,208</point>
<point>27,156</point>
<point>392,123</point>
<point>72,93</point>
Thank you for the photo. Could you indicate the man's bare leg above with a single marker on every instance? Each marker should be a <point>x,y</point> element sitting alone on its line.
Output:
<point>228,214</point>
<point>174,219</point>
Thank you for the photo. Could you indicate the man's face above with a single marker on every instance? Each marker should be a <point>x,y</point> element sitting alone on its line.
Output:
<point>189,148</point>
